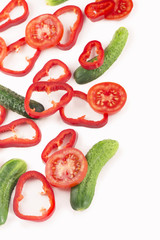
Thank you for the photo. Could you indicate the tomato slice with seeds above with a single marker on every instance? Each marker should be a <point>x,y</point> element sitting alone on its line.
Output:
<point>121,9</point>
<point>3,49</point>
<point>44,31</point>
<point>107,97</point>
<point>66,168</point>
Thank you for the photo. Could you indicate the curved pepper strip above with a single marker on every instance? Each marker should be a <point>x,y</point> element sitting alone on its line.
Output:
<point>46,213</point>
<point>5,14</point>
<point>57,143</point>
<point>75,29</point>
<point>98,10</point>
<point>3,49</point>
<point>31,61</point>
<point>15,141</point>
<point>45,71</point>
<point>81,121</point>
<point>86,54</point>
<point>2,114</point>
<point>47,87</point>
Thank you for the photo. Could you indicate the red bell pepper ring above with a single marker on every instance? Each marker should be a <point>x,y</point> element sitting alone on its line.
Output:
<point>47,87</point>
<point>68,136</point>
<point>2,114</point>
<point>5,14</point>
<point>98,61</point>
<point>81,121</point>
<point>45,213</point>
<point>75,29</point>
<point>45,72</point>
<point>31,61</point>
<point>3,49</point>
<point>98,10</point>
<point>15,141</point>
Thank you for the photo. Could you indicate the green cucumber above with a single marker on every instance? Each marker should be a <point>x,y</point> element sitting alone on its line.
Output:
<point>112,52</point>
<point>11,100</point>
<point>82,194</point>
<point>9,175</point>
<point>55,2</point>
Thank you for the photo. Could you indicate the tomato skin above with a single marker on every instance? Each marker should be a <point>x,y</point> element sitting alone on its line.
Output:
<point>107,97</point>
<point>66,168</point>
<point>44,31</point>
<point>122,9</point>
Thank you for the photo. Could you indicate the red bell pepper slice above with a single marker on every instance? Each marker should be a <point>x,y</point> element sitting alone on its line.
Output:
<point>64,139</point>
<point>46,213</point>
<point>98,61</point>
<point>31,61</point>
<point>2,114</point>
<point>98,10</point>
<point>75,29</point>
<point>15,141</point>
<point>3,49</point>
<point>81,121</point>
<point>45,71</point>
<point>5,14</point>
<point>47,87</point>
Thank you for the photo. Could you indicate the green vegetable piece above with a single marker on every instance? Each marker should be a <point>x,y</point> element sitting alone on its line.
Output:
<point>112,52</point>
<point>82,194</point>
<point>9,174</point>
<point>11,100</point>
<point>55,2</point>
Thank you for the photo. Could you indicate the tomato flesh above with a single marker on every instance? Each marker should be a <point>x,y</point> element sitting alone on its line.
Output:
<point>66,168</point>
<point>121,9</point>
<point>107,97</point>
<point>44,31</point>
<point>3,49</point>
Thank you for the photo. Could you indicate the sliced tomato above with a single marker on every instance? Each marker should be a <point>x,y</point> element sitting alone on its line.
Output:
<point>121,9</point>
<point>66,168</point>
<point>44,31</point>
<point>107,97</point>
<point>3,49</point>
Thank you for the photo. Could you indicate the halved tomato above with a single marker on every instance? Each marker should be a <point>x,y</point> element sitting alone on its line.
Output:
<point>121,9</point>
<point>107,97</point>
<point>66,168</point>
<point>44,31</point>
<point>3,49</point>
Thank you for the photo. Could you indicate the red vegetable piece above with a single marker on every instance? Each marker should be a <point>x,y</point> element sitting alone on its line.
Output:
<point>98,10</point>
<point>46,213</point>
<point>2,114</point>
<point>75,29</point>
<point>89,65</point>
<point>3,49</point>
<point>44,31</point>
<point>15,141</point>
<point>5,14</point>
<point>66,168</point>
<point>107,97</point>
<point>121,9</point>
<point>47,87</point>
<point>58,142</point>
<point>81,121</point>
<point>45,71</point>
<point>16,47</point>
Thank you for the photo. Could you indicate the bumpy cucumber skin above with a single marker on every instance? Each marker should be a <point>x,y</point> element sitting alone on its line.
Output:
<point>11,100</point>
<point>9,175</point>
<point>112,52</point>
<point>82,194</point>
<point>55,2</point>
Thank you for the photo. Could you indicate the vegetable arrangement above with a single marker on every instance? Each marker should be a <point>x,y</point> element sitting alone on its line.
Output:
<point>66,167</point>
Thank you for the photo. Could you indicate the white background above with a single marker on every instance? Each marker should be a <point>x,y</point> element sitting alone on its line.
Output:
<point>126,204</point>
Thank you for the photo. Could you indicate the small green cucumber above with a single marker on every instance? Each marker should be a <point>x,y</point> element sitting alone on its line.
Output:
<point>112,52</point>
<point>82,194</point>
<point>11,100</point>
<point>9,175</point>
<point>55,2</point>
